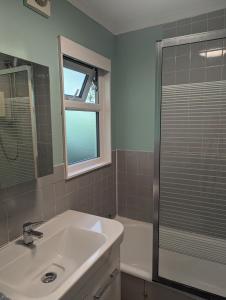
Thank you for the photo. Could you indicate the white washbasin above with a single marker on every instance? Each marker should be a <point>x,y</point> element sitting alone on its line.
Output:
<point>71,244</point>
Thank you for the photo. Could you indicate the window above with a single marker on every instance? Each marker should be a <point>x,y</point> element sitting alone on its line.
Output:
<point>86,108</point>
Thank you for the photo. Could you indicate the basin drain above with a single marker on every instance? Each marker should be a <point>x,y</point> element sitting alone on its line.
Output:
<point>49,277</point>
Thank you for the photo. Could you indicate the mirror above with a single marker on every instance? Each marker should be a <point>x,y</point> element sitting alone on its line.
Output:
<point>25,121</point>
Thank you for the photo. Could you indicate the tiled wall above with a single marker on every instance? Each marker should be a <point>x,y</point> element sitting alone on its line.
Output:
<point>92,193</point>
<point>134,184</point>
<point>207,22</point>
<point>184,64</point>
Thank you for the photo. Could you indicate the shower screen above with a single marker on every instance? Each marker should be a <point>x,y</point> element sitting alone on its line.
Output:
<point>190,173</point>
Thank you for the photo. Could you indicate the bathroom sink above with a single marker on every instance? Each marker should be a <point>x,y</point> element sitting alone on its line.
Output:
<point>71,244</point>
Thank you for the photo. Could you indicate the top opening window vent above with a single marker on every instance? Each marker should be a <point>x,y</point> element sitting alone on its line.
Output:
<point>80,82</point>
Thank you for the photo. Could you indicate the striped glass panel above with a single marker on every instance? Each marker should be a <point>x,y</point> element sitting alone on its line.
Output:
<point>192,213</point>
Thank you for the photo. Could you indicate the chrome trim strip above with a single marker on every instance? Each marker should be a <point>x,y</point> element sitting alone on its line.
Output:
<point>194,38</point>
<point>156,188</point>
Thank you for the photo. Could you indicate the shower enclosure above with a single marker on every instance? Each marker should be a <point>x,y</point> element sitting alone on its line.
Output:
<point>190,165</point>
<point>18,146</point>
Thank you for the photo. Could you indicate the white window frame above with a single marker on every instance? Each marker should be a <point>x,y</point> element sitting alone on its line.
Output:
<point>103,107</point>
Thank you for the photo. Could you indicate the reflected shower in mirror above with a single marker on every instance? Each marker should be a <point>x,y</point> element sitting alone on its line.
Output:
<point>25,121</point>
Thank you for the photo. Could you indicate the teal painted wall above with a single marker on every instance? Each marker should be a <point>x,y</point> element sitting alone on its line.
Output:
<point>26,34</point>
<point>134,90</point>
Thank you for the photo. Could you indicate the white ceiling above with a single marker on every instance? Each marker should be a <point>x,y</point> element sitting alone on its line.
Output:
<point>120,16</point>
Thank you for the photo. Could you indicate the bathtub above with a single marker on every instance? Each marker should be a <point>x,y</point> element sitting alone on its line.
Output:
<point>136,257</point>
<point>136,248</point>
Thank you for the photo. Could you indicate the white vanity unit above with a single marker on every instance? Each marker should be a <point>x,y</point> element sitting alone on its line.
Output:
<point>77,259</point>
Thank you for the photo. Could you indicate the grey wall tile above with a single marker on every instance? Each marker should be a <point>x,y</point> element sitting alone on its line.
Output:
<point>131,162</point>
<point>202,23</point>
<point>193,65</point>
<point>217,13</point>
<point>58,173</point>
<point>85,198</point>
<point>224,55</point>
<point>197,61</point>
<point>184,30</point>
<point>199,18</point>
<point>135,185</point>
<point>196,48</point>
<point>169,64</point>
<point>198,75</point>
<point>71,186</point>
<point>225,18</point>
<point>59,189</point>
<point>23,208</point>
<point>170,32</point>
<point>200,26</point>
<point>182,50</point>
<point>214,73</point>
<point>224,73</point>
<point>182,62</point>
<point>121,160</point>
<point>169,52</point>
<point>184,22</point>
<point>168,78</point>
<point>216,23</point>
<point>214,44</point>
<point>215,61</point>
<point>20,189</point>
<point>48,202</point>
<point>145,163</point>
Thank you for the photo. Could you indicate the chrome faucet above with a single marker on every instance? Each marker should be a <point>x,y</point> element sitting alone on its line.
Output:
<point>29,233</point>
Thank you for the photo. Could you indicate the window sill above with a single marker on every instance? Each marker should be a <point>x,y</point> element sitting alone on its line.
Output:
<point>83,170</point>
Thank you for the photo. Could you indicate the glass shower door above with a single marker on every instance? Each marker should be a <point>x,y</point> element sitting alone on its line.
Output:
<point>190,202</point>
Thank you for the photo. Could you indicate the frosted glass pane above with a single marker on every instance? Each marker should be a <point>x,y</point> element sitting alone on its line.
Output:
<point>82,135</point>
<point>73,82</point>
